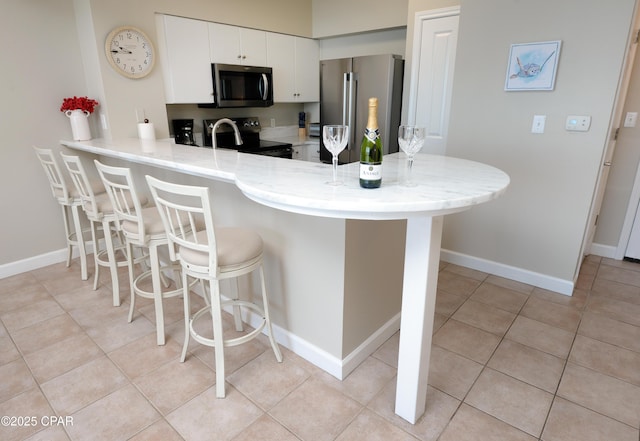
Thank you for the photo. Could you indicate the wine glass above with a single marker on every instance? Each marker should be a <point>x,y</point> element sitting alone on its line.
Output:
<point>335,139</point>
<point>411,139</point>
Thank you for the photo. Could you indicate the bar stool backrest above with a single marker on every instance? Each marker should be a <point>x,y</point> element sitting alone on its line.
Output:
<point>82,185</point>
<point>187,218</point>
<point>127,206</point>
<point>54,175</point>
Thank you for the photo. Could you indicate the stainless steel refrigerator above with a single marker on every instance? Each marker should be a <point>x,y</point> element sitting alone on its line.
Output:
<point>345,88</point>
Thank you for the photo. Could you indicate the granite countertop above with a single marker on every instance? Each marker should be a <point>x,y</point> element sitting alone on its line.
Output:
<point>445,185</point>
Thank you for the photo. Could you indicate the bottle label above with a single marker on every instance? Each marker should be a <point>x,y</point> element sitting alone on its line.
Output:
<point>372,135</point>
<point>370,172</point>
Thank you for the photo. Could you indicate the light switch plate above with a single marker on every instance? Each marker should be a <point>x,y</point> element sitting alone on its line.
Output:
<point>538,123</point>
<point>578,123</point>
<point>631,119</point>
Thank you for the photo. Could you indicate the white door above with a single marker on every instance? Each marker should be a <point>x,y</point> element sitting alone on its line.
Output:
<point>434,52</point>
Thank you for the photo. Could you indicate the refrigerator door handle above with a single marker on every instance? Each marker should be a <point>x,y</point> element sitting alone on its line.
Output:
<point>345,82</point>
<point>351,110</point>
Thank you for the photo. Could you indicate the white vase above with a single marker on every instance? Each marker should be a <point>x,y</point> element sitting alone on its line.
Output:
<point>79,124</point>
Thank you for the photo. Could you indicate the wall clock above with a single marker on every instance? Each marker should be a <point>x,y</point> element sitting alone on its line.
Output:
<point>130,52</point>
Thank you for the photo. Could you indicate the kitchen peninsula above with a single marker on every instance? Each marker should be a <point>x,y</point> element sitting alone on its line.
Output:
<point>341,262</point>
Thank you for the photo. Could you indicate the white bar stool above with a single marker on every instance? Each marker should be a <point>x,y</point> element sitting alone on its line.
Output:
<point>69,200</point>
<point>99,211</point>
<point>211,253</point>
<point>141,227</point>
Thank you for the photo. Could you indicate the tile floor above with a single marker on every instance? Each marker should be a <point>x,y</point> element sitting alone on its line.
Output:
<point>509,362</point>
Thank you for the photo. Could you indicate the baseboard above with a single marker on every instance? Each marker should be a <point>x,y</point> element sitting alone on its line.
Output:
<point>321,358</point>
<point>603,250</point>
<point>510,272</point>
<point>369,346</point>
<point>31,263</point>
<point>40,261</point>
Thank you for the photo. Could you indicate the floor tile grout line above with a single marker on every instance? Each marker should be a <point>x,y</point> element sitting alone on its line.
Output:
<point>484,366</point>
<point>37,384</point>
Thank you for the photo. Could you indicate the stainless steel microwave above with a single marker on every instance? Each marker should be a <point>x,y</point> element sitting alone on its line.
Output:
<point>242,86</point>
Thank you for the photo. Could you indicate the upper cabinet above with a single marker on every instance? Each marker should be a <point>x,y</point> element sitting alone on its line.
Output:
<point>295,62</point>
<point>235,45</point>
<point>187,47</point>
<point>307,69</point>
<point>185,60</point>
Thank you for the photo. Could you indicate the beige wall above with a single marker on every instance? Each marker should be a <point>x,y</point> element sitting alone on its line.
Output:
<point>538,226</point>
<point>340,17</point>
<point>41,65</point>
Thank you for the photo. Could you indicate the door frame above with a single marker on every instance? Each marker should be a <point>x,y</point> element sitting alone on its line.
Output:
<point>607,156</point>
<point>634,198</point>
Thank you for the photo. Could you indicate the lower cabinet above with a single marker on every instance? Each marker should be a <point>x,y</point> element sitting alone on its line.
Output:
<point>306,152</point>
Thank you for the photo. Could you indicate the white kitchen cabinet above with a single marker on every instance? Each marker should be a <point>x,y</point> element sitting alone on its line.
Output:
<point>185,60</point>
<point>236,45</point>
<point>307,69</point>
<point>306,152</point>
<point>294,61</point>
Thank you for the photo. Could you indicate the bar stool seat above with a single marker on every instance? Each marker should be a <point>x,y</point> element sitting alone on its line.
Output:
<point>211,254</point>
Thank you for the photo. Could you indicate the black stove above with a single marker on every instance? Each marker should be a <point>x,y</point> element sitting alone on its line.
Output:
<point>251,143</point>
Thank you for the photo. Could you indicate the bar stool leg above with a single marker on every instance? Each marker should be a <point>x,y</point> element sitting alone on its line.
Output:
<point>82,250</point>
<point>237,312</point>
<point>265,306</point>
<point>94,236</point>
<point>218,336</point>
<point>132,278</point>
<point>157,293</point>
<point>67,232</point>
<point>113,264</point>
<point>187,313</point>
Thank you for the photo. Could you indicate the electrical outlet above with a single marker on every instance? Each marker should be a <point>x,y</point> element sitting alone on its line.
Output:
<point>273,122</point>
<point>538,123</point>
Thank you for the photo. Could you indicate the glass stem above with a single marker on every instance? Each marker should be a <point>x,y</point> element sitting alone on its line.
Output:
<point>409,167</point>
<point>335,168</point>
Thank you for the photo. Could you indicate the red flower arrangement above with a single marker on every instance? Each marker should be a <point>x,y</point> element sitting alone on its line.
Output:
<point>78,103</point>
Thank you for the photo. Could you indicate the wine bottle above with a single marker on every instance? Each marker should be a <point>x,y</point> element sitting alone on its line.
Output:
<point>371,150</point>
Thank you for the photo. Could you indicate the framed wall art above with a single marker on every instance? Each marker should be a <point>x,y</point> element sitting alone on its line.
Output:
<point>532,66</point>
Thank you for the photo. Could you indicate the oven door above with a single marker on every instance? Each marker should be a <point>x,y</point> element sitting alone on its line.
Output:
<point>242,86</point>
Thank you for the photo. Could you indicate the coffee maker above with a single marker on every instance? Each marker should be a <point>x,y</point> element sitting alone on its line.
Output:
<point>183,131</point>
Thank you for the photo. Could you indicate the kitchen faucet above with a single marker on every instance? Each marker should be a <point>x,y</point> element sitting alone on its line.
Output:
<point>233,125</point>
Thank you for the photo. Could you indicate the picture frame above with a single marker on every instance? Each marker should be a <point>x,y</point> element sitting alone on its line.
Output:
<point>532,66</point>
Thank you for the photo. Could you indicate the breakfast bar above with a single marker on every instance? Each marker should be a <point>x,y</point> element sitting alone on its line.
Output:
<point>346,263</point>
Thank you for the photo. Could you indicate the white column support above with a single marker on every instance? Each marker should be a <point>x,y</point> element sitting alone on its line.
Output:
<point>421,263</point>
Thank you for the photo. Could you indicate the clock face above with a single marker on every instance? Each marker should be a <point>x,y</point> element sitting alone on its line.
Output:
<point>130,52</point>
